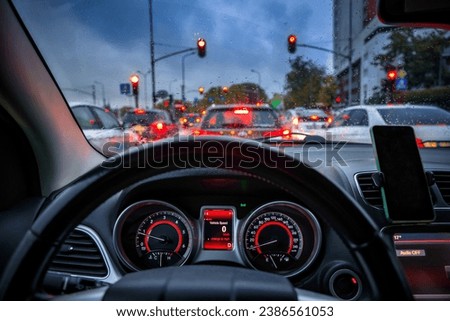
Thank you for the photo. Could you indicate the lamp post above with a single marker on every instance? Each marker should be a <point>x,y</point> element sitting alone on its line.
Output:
<point>183,97</point>
<point>170,85</point>
<point>145,74</point>
<point>103,91</point>
<point>259,81</point>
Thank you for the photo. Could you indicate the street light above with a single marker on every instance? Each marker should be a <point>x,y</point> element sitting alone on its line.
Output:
<point>183,97</point>
<point>259,82</point>
<point>103,91</point>
<point>145,74</point>
<point>170,85</point>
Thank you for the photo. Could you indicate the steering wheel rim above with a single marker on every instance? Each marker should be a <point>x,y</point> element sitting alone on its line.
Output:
<point>69,207</point>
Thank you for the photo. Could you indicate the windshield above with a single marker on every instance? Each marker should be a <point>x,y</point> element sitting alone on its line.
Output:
<point>185,57</point>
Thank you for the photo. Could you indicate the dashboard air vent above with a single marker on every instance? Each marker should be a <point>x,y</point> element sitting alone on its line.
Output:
<point>370,193</point>
<point>80,255</point>
<point>442,180</point>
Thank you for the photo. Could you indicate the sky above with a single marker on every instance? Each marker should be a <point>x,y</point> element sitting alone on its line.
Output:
<point>90,43</point>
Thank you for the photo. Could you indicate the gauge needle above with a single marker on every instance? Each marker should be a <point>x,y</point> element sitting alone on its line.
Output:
<point>273,262</point>
<point>160,260</point>
<point>260,245</point>
<point>154,237</point>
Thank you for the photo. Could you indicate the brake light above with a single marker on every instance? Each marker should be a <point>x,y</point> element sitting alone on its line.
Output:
<point>241,111</point>
<point>277,133</point>
<point>314,117</point>
<point>329,120</point>
<point>159,126</point>
<point>197,120</point>
<point>419,143</point>
<point>202,132</point>
<point>138,111</point>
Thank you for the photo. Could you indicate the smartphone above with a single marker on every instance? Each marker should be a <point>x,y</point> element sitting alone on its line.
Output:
<point>404,187</point>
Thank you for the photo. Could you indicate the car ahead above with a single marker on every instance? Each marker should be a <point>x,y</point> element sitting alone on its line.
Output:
<point>190,120</point>
<point>102,128</point>
<point>208,217</point>
<point>150,125</point>
<point>241,120</point>
<point>310,120</point>
<point>431,124</point>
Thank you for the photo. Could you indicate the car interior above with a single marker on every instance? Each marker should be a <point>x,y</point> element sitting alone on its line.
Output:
<point>77,225</point>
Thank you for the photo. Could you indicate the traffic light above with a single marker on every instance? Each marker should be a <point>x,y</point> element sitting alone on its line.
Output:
<point>392,74</point>
<point>201,47</point>
<point>201,90</point>
<point>292,43</point>
<point>225,89</point>
<point>134,79</point>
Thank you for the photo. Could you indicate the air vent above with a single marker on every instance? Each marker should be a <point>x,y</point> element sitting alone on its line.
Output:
<point>369,191</point>
<point>80,255</point>
<point>442,180</point>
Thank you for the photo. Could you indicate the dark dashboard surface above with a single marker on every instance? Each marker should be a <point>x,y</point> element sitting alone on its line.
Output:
<point>219,217</point>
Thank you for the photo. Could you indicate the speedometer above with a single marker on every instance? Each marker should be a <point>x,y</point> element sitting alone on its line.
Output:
<point>152,234</point>
<point>273,241</point>
<point>281,237</point>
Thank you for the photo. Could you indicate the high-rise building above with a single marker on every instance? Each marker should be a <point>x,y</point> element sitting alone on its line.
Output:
<point>359,35</point>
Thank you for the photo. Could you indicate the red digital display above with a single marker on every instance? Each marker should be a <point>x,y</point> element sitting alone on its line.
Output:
<point>218,229</point>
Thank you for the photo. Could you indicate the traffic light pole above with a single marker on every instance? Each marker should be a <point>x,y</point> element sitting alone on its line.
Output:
<point>348,57</point>
<point>152,53</point>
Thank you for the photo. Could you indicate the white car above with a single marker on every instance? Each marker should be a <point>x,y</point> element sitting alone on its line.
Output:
<point>102,129</point>
<point>431,124</point>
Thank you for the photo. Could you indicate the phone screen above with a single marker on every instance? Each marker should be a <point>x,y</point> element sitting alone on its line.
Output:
<point>405,192</point>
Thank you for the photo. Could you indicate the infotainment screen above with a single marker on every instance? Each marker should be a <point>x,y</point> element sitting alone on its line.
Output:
<point>218,228</point>
<point>426,261</point>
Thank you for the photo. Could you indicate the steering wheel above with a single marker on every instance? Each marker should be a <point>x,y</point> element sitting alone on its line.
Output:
<point>66,209</point>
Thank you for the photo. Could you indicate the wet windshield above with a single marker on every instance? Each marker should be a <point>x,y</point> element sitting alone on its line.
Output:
<point>187,57</point>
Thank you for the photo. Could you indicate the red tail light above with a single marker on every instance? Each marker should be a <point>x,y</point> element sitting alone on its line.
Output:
<point>329,120</point>
<point>159,128</point>
<point>202,132</point>
<point>139,111</point>
<point>419,143</point>
<point>314,117</point>
<point>277,133</point>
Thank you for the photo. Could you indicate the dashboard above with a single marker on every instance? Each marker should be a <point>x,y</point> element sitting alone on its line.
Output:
<point>220,217</point>
<point>280,237</point>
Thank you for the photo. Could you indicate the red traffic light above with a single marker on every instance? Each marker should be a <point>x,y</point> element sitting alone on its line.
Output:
<point>134,79</point>
<point>392,74</point>
<point>201,47</point>
<point>292,43</point>
<point>225,89</point>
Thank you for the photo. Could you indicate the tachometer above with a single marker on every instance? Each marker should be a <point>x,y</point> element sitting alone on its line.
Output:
<point>153,234</point>
<point>163,239</point>
<point>281,237</point>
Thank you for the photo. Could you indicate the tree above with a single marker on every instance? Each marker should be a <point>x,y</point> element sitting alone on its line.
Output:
<point>303,83</point>
<point>244,93</point>
<point>327,92</point>
<point>418,52</point>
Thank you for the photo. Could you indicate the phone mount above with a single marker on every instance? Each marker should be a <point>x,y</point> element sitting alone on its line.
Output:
<point>378,179</point>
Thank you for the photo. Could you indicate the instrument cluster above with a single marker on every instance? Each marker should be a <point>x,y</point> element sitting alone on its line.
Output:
<point>280,237</point>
